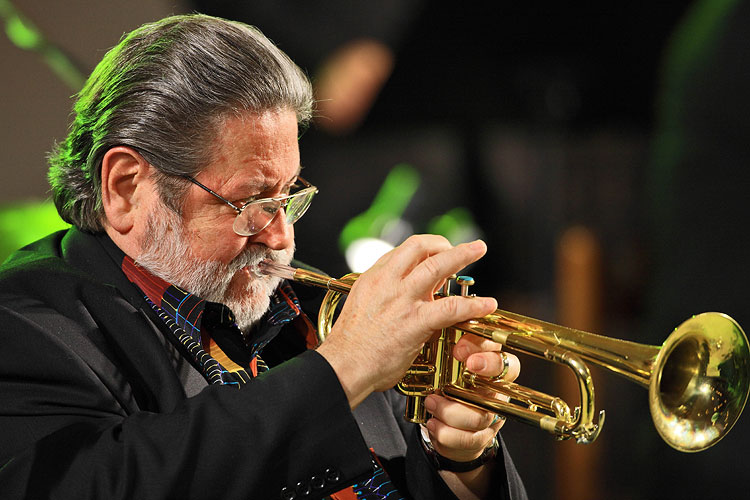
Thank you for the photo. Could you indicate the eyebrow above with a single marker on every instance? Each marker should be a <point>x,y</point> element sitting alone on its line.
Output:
<point>266,187</point>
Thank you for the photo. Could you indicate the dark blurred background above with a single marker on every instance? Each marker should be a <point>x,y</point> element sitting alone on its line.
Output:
<point>600,152</point>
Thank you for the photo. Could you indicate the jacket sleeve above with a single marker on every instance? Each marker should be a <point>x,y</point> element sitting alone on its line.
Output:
<point>68,432</point>
<point>423,478</point>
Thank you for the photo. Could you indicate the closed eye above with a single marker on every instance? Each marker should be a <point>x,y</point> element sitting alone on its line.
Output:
<point>294,185</point>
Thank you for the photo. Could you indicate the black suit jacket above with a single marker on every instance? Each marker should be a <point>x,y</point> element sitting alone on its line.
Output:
<point>93,401</point>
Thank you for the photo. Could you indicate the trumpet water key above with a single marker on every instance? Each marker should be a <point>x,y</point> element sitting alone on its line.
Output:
<point>698,380</point>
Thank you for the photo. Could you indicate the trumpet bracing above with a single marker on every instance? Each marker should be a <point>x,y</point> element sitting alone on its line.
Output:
<point>698,380</point>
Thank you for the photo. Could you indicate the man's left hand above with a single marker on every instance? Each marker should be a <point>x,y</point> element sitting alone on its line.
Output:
<point>460,432</point>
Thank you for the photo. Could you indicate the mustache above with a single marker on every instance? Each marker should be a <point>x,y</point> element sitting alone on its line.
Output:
<point>251,257</point>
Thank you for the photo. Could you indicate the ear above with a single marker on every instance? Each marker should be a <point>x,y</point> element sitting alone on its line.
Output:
<point>127,188</point>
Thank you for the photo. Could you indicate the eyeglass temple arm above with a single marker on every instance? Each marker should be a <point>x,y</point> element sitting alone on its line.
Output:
<point>239,210</point>
<point>212,192</point>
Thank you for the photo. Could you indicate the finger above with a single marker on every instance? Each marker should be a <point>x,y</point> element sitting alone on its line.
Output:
<point>404,258</point>
<point>454,309</point>
<point>438,288</point>
<point>458,444</point>
<point>433,270</point>
<point>469,344</point>
<point>495,364</point>
<point>458,415</point>
<point>498,421</point>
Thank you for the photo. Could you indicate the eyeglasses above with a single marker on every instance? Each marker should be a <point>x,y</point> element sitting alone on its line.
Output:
<point>256,215</point>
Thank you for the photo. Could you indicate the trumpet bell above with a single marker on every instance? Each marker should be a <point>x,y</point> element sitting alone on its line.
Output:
<point>700,382</point>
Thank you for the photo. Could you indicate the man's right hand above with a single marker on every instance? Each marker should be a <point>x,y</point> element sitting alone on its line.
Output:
<point>392,311</point>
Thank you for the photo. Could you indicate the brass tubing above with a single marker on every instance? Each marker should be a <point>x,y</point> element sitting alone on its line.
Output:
<point>636,365</point>
<point>315,279</point>
<point>521,393</point>
<point>703,365</point>
<point>558,427</point>
<point>583,429</point>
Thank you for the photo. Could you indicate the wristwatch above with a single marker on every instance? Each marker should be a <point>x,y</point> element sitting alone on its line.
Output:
<point>442,463</point>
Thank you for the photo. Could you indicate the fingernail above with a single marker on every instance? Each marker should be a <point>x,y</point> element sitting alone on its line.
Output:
<point>490,302</point>
<point>430,426</point>
<point>477,244</point>
<point>429,403</point>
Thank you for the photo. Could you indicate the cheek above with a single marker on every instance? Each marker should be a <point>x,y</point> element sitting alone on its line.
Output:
<point>209,232</point>
<point>212,243</point>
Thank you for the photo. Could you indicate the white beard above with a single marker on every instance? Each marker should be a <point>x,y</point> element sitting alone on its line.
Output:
<point>166,253</point>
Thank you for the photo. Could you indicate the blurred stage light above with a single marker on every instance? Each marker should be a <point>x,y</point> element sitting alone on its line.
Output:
<point>382,226</point>
<point>363,253</point>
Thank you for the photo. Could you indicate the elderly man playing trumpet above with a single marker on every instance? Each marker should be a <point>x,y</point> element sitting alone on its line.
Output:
<point>145,356</point>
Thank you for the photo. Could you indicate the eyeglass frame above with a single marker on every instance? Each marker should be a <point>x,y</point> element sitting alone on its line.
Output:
<point>307,188</point>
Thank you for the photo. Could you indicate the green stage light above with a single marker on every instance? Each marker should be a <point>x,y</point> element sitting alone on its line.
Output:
<point>387,207</point>
<point>21,34</point>
<point>24,35</point>
<point>457,225</point>
<point>26,222</point>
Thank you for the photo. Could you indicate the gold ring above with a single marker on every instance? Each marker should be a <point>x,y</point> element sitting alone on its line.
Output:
<point>506,365</point>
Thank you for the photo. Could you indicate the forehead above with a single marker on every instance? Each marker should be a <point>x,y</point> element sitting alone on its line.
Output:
<point>254,152</point>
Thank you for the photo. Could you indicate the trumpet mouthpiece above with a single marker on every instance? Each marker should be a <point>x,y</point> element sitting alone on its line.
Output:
<point>278,270</point>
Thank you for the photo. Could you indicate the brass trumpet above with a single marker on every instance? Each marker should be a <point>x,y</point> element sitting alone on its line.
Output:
<point>698,380</point>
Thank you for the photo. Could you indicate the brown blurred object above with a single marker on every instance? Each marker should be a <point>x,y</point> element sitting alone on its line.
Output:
<point>348,83</point>
<point>579,305</point>
<point>36,104</point>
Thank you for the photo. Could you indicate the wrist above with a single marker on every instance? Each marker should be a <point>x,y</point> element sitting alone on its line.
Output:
<point>441,462</point>
<point>355,386</point>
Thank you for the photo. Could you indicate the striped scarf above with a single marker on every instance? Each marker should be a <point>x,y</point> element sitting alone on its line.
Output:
<point>209,333</point>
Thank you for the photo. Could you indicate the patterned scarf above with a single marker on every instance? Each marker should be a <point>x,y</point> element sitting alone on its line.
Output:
<point>223,355</point>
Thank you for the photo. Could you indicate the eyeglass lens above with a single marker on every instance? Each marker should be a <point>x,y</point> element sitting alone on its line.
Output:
<point>258,215</point>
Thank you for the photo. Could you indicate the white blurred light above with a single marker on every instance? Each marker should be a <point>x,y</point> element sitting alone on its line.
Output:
<point>362,253</point>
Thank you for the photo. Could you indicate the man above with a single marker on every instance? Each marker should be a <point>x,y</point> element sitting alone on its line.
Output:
<point>126,339</point>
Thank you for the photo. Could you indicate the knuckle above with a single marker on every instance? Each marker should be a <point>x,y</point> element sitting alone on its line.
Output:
<point>416,242</point>
<point>432,269</point>
<point>439,314</point>
<point>470,440</point>
<point>425,319</point>
<point>450,306</point>
<point>476,420</point>
<point>411,241</point>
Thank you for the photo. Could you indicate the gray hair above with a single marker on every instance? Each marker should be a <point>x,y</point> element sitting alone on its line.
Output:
<point>164,90</point>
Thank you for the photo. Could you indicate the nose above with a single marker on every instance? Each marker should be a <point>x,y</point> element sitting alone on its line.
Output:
<point>278,235</point>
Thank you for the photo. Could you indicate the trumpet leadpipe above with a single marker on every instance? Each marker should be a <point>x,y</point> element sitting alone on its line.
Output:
<point>698,380</point>
<point>303,276</point>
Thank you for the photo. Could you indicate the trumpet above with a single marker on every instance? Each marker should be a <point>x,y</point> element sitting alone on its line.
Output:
<point>698,380</point>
